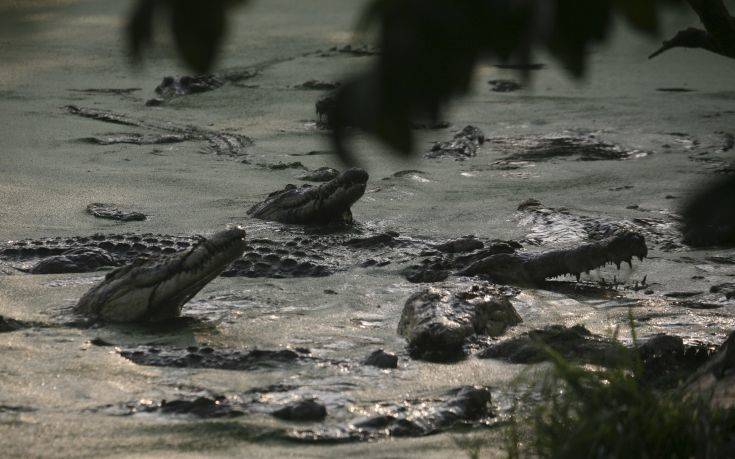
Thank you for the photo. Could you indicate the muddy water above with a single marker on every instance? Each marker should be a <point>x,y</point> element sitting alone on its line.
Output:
<point>64,396</point>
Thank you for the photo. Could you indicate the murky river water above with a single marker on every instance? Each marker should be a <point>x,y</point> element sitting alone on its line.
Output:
<point>62,395</point>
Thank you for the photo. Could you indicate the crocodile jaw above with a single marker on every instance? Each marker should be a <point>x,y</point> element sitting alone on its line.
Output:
<point>535,268</point>
<point>157,289</point>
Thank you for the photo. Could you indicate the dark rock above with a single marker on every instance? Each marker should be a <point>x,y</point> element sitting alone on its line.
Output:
<point>436,323</point>
<point>100,342</point>
<point>154,102</point>
<point>201,407</point>
<point>728,289</point>
<point>323,174</point>
<point>464,145</point>
<point>283,166</point>
<point>222,359</point>
<point>382,359</point>
<point>682,294</point>
<point>427,274</point>
<point>465,244</point>
<point>409,418</point>
<point>81,260</point>
<point>316,85</point>
<point>504,85</point>
<point>302,411</point>
<point>529,204</point>
<point>573,343</point>
<point>9,325</point>
<point>387,239</point>
<point>110,212</point>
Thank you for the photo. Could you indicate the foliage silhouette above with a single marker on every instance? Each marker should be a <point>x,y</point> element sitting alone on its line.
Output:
<point>430,48</point>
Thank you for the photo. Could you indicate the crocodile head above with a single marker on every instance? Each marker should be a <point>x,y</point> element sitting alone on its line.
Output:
<point>314,205</point>
<point>156,289</point>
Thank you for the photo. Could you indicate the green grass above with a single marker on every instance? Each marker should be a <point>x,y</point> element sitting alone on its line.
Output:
<point>609,413</point>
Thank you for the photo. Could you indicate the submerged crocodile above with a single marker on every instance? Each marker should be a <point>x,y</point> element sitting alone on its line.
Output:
<point>156,289</point>
<point>314,205</point>
<point>220,143</point>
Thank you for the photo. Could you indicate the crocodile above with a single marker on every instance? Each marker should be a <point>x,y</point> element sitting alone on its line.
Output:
<point>437,322</point>
<point>220,143</point>
<point>156,289</point>
<point>535,268</point>
<point>314,205</point>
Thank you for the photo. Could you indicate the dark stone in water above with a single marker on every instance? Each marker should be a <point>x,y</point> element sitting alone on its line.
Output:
<point>316,85</point>
<point>409,418</point>
<point>674,90</point>
<point>222,359</point>
<point>81,260</point>
<point>728,289</point>
<point>283,166</point>
<point>10,325</point>
<point>302,411</point>
<point>387,239</point>
<point>100,342</point>
<point>436,322</point>
<point>465,244</point>
<point>504,85</point>
<point>382,359</point>
<point>573,343</point>
<point>201,407</point>
<point>323,174</point>
<point>110,212</point>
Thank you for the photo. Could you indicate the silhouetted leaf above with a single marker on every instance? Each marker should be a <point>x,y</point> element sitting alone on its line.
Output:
<point>198,28</point>
<point>709,216</point>
<point>430,49</point>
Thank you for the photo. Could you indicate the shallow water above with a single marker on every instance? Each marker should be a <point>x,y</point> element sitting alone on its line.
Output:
<point>62,396</point>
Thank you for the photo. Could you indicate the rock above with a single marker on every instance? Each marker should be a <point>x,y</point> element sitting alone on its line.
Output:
<point>436,322</point>
<point>206,357</point>
<point>9,325</point>
<point>317,85</point>
<point>504,85</point>
<point>323,174</point>
<point>387,239</point>
<point>110,212</point>
<point>283,166</point>
<point>302,411</point>
<point>727,289</point>
<point>382,359</point>
<point>154,102</point>
<point>408,418</point>
<point>465,244</point>
<point>81,260</point>
<point>573,343</point>
<point>529,203</point>
<point>201,407</point>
